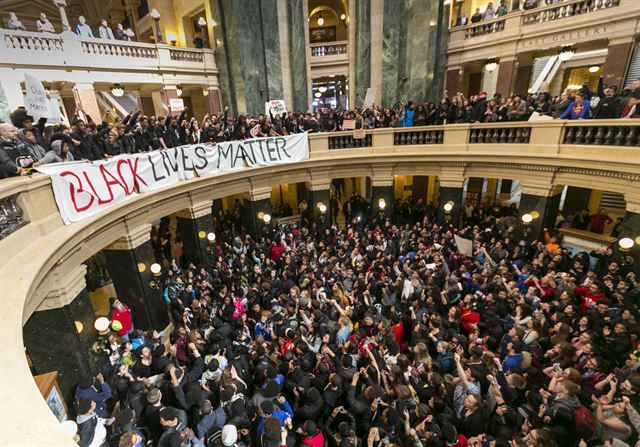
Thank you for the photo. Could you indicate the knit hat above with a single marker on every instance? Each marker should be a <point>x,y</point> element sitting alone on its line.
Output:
<point>83,406</point>
<point>229,435</point>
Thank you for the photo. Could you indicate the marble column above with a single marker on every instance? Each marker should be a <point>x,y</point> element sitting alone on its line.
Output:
<point>213,99</point>
<point>544,201</point>
<point>129,262</point>
<point>59,335</point>
<point>248,53</point>
<point>259,203</point>
<point>631,229</point>
<point>448,194</point>
<point>523,77</point>
<point>452,83</point>
<point>506,71</point>
<point>615,65</point>
<point>382,190</point>
<point>362,50</point>
<point>299,42</point>
<point>414,42</point>
<point>193,225</point>
<point>320,193</point>
<point>86,100</point>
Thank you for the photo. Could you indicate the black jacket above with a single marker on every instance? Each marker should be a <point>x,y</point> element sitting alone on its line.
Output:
<point>13,155</point>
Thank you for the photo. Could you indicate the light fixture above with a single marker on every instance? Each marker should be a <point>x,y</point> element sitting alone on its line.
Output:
<point>260,215</point>
<point>527,218</point>
<point>343,17</point>
<point>205,92</point>
<point>101,325</point>
<point>322,207</point>
<point>491,64</point>
<point>534,214</point>
<point>156,269</point>
<point>594,68</point>
<point>155,15</point>
<point>626,243</point>
<point>266,218</point>
<point>320,20</point>
<point>317,94</point>
<point>179,90</point>
<point>117,90</point>
<point>322,89</point>
<point>213,23</point>
<point>382,204</point>
<point>211,237</point>
<point>566,52</point>
<point>202,234</point>
<point>79,326</point>
<point>202,22</point>
<point>448,207</point>
<point>141,267</point>
<point>172,38</point>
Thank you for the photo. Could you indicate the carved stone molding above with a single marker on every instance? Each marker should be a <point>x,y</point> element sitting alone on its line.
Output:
<point>63,287</point>
<point>135,237</point>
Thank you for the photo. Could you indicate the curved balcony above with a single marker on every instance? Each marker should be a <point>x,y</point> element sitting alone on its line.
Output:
<point>32,252</point>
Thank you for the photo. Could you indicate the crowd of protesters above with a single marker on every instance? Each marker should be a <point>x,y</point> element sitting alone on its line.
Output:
<point>380,333</point>
<point>25,144</point>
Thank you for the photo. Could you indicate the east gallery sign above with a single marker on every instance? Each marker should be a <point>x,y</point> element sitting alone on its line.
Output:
<point>568,37</point>
<point>83,189</point>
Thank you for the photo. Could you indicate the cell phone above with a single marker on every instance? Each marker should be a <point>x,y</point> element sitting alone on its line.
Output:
<point>110,421</point>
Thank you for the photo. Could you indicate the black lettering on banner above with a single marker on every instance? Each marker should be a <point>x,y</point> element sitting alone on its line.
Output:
<point>185,158</point>
<point>237,155</point>
<point>248,155</point>
<point>261,149</point>
<point>281,145</point>
<point>170,164</point>
<point>156,177</point>
<point>271,149</point>
<point>222,153</point>
<point>201,154</point>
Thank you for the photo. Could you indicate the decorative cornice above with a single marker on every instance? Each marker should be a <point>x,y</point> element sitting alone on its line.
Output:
<point>135,237</point>
<point>197,210</point>
<point>65,287</point>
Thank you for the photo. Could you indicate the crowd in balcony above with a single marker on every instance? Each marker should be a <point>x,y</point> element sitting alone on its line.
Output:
<point>24,146</point>
<point>501,9</point>
<point>82,29</point>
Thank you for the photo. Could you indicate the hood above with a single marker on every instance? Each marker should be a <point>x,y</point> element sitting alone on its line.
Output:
<point>56,146</point>
<point>314,441</point>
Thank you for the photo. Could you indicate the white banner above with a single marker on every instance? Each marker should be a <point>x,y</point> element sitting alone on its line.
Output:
<point>176,104</point>
<point>83,189</point>
<point>465,246</point>
<point>35,98</point>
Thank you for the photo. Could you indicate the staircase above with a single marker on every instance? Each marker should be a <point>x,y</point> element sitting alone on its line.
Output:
<point>544,69</point>
<point>123,105</point>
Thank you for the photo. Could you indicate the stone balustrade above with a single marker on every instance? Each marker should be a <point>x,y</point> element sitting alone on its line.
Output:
<point>29,49</point>
<point>499,135</point>
<point>563,10</point>
<point>345,140</point>
<point>422,136</point>
<point>622,133</point>
<point>483,28</point>
<point>328,49</point>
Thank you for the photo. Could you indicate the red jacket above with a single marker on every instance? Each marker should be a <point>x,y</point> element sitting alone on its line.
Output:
<point>314,441</point>
<point>124,318</point>
<point>589,300</point>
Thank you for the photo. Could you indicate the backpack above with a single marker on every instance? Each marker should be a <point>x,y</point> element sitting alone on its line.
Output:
<point>585,423</point>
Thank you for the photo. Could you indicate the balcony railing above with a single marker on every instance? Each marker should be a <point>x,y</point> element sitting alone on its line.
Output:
<point>620,133</point>
<point>482,28</point>
<point>499,135</point>
<point>544,14</point>
<point>21,48</point>
<point>328,49</point>
<point>566,9</point>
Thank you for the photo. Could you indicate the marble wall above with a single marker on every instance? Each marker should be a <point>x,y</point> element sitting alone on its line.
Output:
<point>247,53</point>
<point>414,39</point>
<point>298,55</point>
<point>363,49</point>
